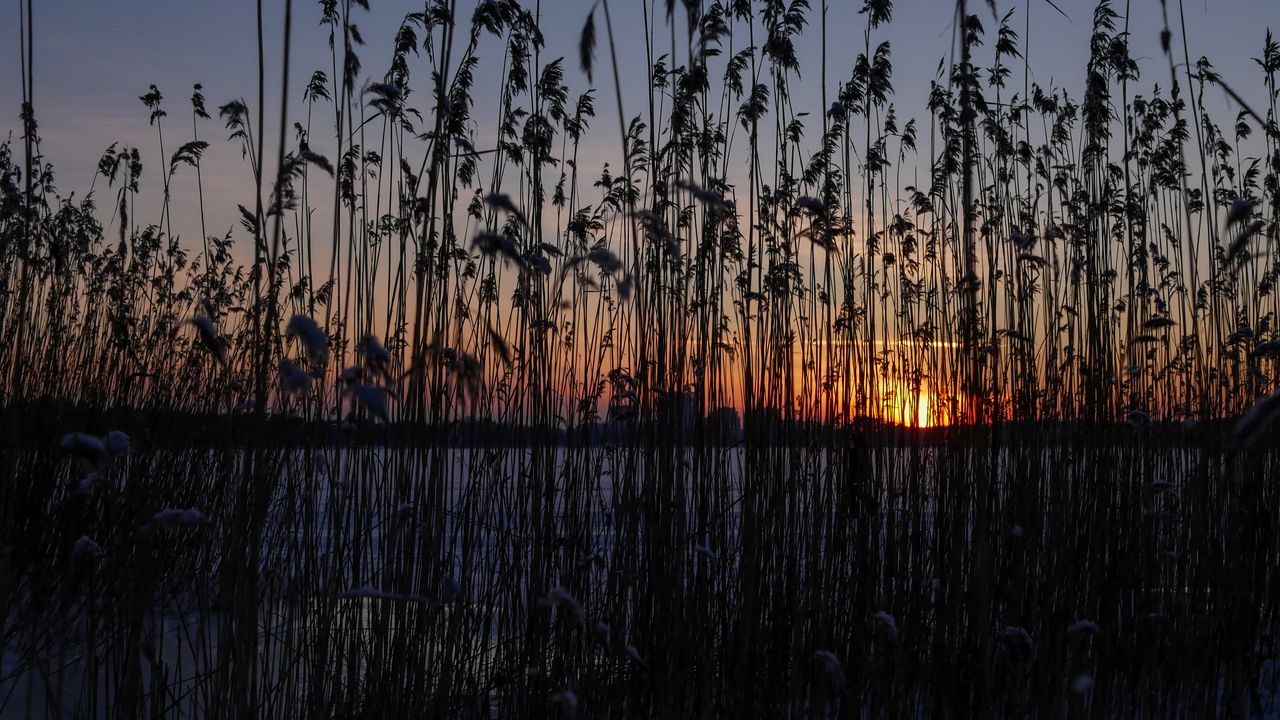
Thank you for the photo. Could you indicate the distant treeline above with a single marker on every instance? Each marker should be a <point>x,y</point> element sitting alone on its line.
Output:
<point>40,423</point>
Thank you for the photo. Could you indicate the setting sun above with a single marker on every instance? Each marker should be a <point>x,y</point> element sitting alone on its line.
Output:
<point>901,404</point>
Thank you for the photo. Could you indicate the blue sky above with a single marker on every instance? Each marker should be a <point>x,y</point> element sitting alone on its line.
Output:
<point>94,58</point>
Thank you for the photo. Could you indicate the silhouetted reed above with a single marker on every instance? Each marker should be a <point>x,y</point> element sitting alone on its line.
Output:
<point>440,430</point>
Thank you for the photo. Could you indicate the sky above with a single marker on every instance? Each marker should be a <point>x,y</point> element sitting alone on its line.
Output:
<point>94,58</point>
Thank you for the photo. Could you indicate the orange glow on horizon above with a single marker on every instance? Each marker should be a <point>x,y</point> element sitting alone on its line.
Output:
<point>902,404</point>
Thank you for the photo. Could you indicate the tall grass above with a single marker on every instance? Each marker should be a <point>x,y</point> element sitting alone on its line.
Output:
<point>448,450</point>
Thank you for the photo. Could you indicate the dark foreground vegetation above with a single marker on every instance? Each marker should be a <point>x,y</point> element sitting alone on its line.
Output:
<point>1075,293</point>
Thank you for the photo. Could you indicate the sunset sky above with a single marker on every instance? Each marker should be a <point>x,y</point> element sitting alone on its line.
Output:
<point>93,60</point>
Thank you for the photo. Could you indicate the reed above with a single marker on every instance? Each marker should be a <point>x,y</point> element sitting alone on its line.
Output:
<point>449,438</point>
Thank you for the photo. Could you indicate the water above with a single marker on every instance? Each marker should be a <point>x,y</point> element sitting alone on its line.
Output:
<point>372,558</point>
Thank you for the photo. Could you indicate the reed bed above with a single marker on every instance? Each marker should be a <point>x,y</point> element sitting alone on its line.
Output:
<point>439,431</point>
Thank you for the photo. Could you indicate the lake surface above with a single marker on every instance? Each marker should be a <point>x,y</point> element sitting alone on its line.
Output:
<point>1124,581</point>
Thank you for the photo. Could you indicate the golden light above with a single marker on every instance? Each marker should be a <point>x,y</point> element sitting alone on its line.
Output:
<point>902,403</point>
<point>906,395</point>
